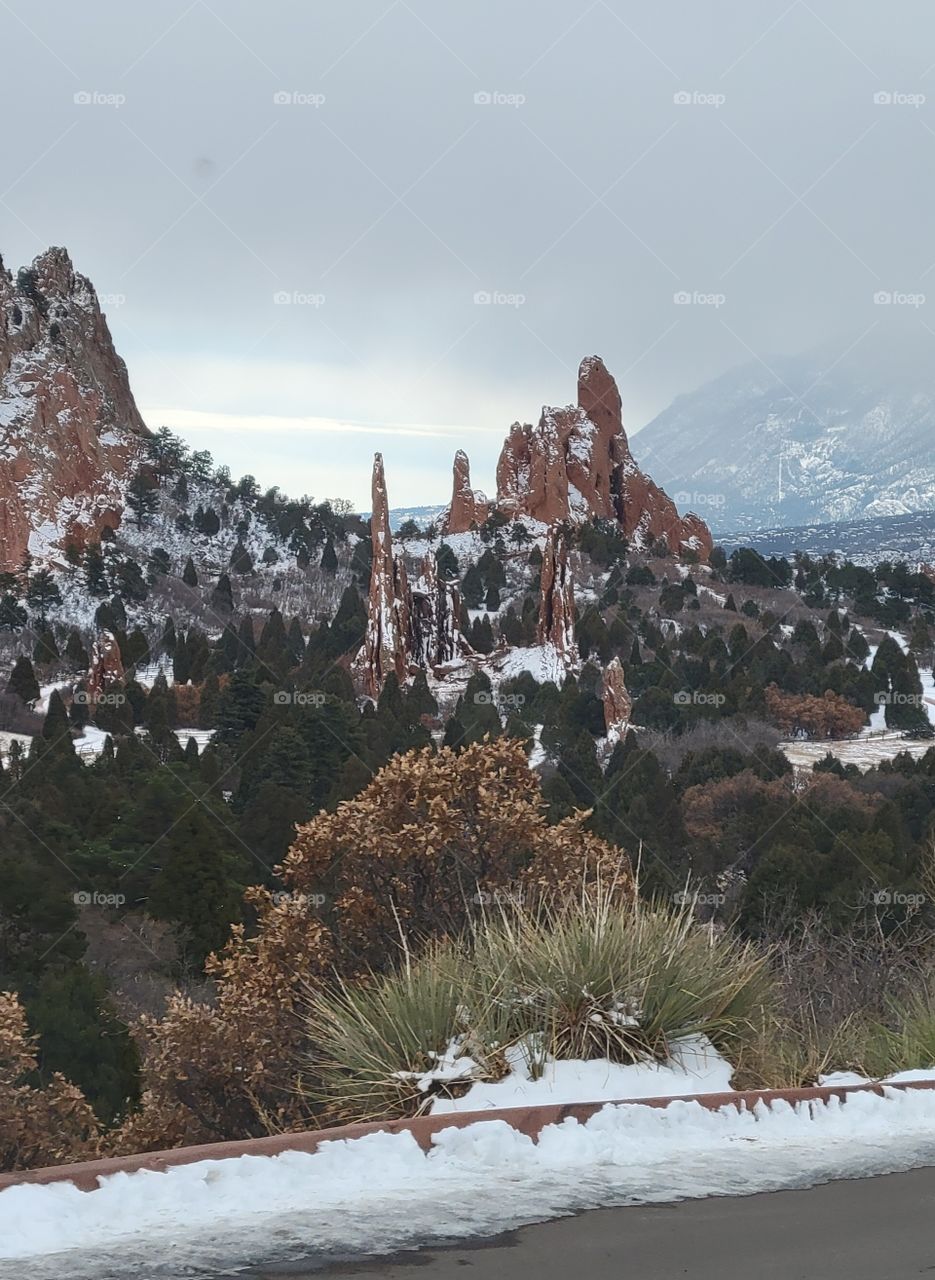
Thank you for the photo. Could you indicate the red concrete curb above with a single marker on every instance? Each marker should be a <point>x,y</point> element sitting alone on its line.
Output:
<point>528,1120</point>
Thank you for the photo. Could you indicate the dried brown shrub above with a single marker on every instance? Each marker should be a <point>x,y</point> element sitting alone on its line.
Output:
<point>830,716</point>
<point>431,835</point>
<point>38,1126</point>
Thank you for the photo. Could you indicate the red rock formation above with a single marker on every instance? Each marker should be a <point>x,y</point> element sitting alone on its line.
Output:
<point>69,427</point>
<point>106,666</point>
<point>435,635</point>
<point>386,642</point>
<point>557,600</point>
<point>407,626</point>
<point>618,705</point>
<point>469,507</point>
<point>577,464</point>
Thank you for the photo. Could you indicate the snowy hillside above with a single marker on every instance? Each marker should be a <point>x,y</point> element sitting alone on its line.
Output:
<point>811,438</point>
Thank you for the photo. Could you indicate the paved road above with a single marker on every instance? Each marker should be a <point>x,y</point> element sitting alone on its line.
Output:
<point>877,1229</point>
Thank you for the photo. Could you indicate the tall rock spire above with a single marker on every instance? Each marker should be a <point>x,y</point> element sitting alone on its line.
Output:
<point>618,705</point>
<point>469,506</point>
<point>557,600</point>
<point>386,641</point>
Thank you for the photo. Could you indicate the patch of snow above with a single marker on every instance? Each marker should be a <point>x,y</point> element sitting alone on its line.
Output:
<point>695,1066</point>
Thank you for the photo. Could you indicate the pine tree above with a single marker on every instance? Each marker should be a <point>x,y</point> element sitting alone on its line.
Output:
<point>75,652</point>
<point>472,588</point>
<point>222,597</point>
<point>329,559</point>
<point>142,498</point>
<point>446,563</point>
<point>296,641</point>
<point>273,648</point>
<point>45,651</point>
<point>42,594</point>
<point>13,616</point>
<point>241,561</point>
<point>23,680</point>
<point>246,641</point>
<point>95,570</point>
<point>189,576</point>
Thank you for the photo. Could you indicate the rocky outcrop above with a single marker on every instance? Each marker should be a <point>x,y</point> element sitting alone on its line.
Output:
<point>106,668</point>
<point>385,646</point>
<point>408,626</point>
<point>557,601</point>
<point>70,430</point>
<point>618,705</point>
<point>435,635</point>
<point>469,507</point>
<point>577,464</point>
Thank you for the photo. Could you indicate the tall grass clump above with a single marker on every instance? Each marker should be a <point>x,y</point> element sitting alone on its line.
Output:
<point>385,1046</point>
<point>599,979</point>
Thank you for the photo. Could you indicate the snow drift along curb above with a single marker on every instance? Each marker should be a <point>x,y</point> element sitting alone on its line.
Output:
<point>529,1121</point>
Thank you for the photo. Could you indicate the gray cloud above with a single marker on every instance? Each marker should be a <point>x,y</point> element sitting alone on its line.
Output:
<point>582,163</point>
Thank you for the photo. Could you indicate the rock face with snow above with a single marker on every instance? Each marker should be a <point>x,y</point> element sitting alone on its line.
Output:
<point>435,635</point>
<point>106,668</point>
<point>385,643</point>
<point>577,464</point>
<point>618,705</point>
<point>469,507</point>
<point>557,601</point>
<point>69,427</point>
<point>408,625</point>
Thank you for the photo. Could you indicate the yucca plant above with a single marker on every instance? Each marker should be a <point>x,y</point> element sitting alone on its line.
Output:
<point>597,979</point>
<point>386,1046</point>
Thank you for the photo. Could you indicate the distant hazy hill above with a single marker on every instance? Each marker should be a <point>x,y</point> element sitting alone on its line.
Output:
<point>422,515</point>
<point>910,538</point>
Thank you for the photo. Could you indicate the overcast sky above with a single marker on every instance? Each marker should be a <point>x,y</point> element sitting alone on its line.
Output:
<point>421,154</point>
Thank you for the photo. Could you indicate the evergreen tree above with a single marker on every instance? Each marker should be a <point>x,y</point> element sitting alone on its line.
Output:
<point>222,598</point>
<point>329,559</point>
<point>42,594</point>
<point>241,561</point>
<point>23,680</point>
<point>246,641</point>
<point>273,648</point>
<point>189,575</point>
<point>45,652</point>
<point>198,884</point>
<point>142,498</point>
<point>95,570</point>
<point>13,616</point>
<point>446,563</point>
<point>296,641</point>
<point>472,588</point>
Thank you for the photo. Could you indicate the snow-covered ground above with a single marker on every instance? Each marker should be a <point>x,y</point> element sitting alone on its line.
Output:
<point>381,1193</point>
<point>865,752</point>
<point>694,1067</point>
<point>91,743</point>
<point>874,744</point>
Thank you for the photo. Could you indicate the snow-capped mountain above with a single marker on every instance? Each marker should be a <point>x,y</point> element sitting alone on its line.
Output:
<point>811,438</point>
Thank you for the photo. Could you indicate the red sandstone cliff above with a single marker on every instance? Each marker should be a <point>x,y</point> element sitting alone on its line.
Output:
<point>577,464</point>
<point>69,427</point>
